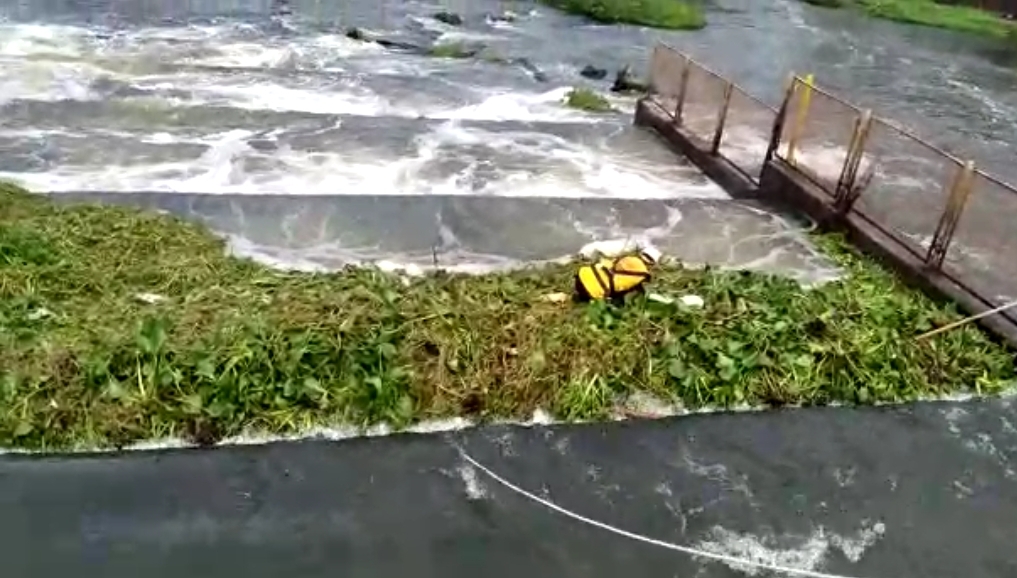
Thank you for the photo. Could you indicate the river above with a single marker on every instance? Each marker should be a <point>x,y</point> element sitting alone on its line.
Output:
<point>225,97</point>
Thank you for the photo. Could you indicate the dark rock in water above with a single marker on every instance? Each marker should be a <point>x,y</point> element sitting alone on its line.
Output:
<point>537,73</point>
<point>624,81</point>
<point>593,72</point>
<point>398,45</point>
<point>503,17</point>
<point>263,145</point>
<point>358,34</point>
<point>281,8</point>
<point>450,18</point>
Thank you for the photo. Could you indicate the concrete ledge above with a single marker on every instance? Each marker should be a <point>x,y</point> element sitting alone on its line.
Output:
<point>782,188</point>
<point>480,232</point>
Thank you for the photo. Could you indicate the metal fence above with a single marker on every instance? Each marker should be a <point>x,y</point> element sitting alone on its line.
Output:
<point>956,218</point>
<point>727,119</point>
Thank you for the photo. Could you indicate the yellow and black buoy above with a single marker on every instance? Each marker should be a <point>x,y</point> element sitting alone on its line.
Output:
<point>614,278</point>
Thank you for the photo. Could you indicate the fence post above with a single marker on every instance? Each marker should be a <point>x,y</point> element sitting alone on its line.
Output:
<point>847,192</point>
<point>778,121</point>
<point>799,124</point>
<point>682,88</point>
<point>960,191</point>
<point>725,105</point>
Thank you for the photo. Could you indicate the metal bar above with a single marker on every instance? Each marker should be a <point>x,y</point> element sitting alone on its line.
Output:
<point>848,188</point>
<point>778,121</point>
<point>725,106</point>
<point>655,58</point>
<point>800,117</point>
<point>863,139</point>
<point>960,191</point>
<point>682,88</point>
<point>845,169</point>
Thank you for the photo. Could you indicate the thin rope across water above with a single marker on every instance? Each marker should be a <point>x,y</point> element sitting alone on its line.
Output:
<point>731,560</point>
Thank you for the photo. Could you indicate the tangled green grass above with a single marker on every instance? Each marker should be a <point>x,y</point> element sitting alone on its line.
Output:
<point>451,50</point>
<point>930,13</point>
<point>587,99</point>
<point>668,14</point>
<point>233,346</point>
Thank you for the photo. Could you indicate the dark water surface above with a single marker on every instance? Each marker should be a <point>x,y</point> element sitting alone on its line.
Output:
<point>923,491</point>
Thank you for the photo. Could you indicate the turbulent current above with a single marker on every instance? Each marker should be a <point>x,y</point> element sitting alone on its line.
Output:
<point>234,100</point>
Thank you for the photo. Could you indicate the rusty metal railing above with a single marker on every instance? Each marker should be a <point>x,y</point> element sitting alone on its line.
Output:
<point>723,115</point>
<point>959,220</point>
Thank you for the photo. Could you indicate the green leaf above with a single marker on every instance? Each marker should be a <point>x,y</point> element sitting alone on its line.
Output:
<point>206,369</point>
<point>405,408</point>
<point>151,336</point>
<point>676,369</point>
<point>387,350</point>
<point>115,389</point>
<point>192,403</point>
<point>374,382</point>
<point>312,385</point>
<point>23,429</point>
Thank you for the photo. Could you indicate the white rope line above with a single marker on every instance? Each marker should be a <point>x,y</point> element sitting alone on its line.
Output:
<point>639,538</point>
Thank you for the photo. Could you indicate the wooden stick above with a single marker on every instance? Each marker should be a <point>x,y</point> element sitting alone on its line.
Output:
<point>967,320</point>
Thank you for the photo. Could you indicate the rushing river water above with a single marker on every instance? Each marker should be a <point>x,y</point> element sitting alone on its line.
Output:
<point>238,97</point>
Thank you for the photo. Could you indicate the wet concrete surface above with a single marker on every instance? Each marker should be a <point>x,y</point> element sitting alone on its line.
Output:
<point>926,490</point>
<point>332,231</point>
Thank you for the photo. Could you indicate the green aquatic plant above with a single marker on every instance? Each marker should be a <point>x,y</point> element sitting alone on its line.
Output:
<point>451,50</point>
<point>929,13</point>
<point>119,325</point>
<point>588,100</point>
<point>668,14</point>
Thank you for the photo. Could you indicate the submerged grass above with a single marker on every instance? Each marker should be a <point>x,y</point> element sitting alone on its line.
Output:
<point>586,99</point>
<point>930,13</point>
<point>668,14</point>
<point>86,359</point>
<point>451,50</point>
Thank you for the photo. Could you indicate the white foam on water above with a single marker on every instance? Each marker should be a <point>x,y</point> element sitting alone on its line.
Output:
<point>992,108</point>
<point>502,104</point>
<point>20,40</point>
<point>745,147</point>
<point>810,553</point>
<point>549,167</point>
<point>796,16</point>
<point>825,161</point>
<point>58,63</point>
<point>324,51</point>
<point>343,98</point>
<point>332,432</point>
<point>577,170</point>
<point>250,55</point>
<point>540,418</point>
<point>333,256</point>
<point>474,489</point>
<point>50,82</point>
<point>346,97</point>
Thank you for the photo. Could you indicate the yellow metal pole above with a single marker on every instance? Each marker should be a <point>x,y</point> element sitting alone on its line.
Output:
<point>803,110</point>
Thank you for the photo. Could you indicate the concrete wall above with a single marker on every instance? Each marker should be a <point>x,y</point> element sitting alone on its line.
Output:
<point>784,189</point>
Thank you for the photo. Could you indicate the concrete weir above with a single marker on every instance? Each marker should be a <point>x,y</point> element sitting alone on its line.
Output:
<point>925,490</point>
<point>474,232</point>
